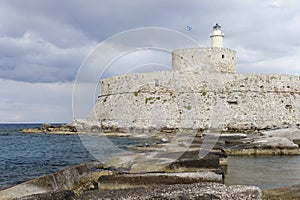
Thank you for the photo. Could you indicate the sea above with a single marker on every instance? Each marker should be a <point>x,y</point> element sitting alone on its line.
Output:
<point>26,156</point>
<point>266,172</point>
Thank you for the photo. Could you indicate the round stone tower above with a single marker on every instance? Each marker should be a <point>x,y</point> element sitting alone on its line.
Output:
<point>213,59</point>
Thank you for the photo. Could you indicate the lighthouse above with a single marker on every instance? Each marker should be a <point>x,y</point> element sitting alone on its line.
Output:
<point>216,37</point>
<point>214,59</point>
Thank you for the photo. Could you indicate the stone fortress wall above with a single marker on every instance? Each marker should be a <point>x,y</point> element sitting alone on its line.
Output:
<point>202,91</point>
<point>190,101</point>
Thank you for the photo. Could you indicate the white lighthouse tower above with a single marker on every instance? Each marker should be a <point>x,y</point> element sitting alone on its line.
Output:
<point>216,37</point>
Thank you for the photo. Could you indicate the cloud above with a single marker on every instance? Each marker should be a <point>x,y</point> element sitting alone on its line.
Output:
<point>141,60</point>
<point>35,102</point>
<point>51,38</point>
<point>31,58</point>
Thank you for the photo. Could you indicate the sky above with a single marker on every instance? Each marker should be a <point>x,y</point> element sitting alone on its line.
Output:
<point>43,43</point>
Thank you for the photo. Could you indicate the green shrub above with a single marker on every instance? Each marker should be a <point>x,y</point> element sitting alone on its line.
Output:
<point>189,107</point>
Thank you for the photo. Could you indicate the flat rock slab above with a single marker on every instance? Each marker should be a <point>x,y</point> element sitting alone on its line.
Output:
<point>262,152</point>
<point>173,161</point>
<point>289,133</point>
<point>164,162</point>
<point>124,181</point>
<point>69,178</point>
<point>274,142</point>
<point>263,146</point>
<point>190,159</point>
<point>61,195</point>
<point>203,191</point>
<point>232,136</point>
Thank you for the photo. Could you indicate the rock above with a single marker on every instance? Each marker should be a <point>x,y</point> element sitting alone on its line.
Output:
<point>88,125</point>
<point>232,136</point>
<point>289,133</point>
<point>203,191</point>
<point>173,162</point>
<point>123,181</point>
<point>286,193</point>
<point>32,130</point>
<point>262,146</point>
<point>297,141</point>
<point>71,178</point>
<point>190,159</point>
<point>123,162</point>
<point>165,140</point>
<point>65,129</point>
<point>274,142</point>
<point>61,195</point>
<point>264,152</point>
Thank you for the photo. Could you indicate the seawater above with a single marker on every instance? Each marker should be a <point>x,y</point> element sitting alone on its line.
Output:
<point>26,156</point>
<point>263,171</point>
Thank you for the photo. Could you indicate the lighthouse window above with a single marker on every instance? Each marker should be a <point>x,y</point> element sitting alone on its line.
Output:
<point>156,82</point>
<point>223,56</point>
<point>136,77</point>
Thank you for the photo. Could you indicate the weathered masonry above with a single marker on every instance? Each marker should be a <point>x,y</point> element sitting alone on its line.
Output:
<point>202,91</point>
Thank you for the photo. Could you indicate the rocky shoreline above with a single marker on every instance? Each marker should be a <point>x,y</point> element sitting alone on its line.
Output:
<point>283,141</point>
<point>169,169</point>
<point>94,180</point>
<point>64,129</point>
